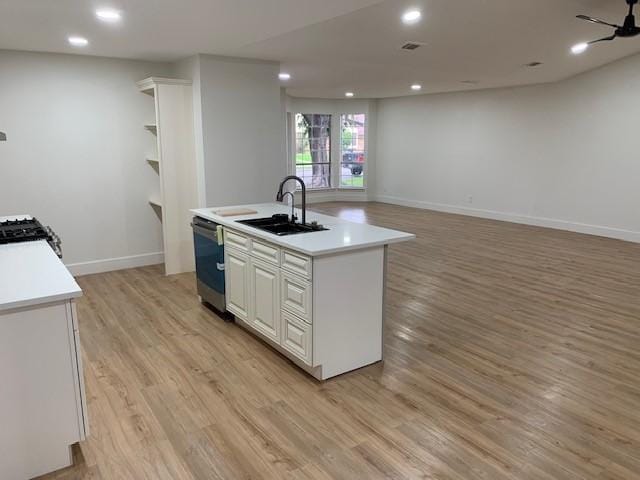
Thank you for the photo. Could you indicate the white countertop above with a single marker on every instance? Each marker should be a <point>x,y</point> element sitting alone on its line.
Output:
<point>342,235</point>
<point>32,274</point>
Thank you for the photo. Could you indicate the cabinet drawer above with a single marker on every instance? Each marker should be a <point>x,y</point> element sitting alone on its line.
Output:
<point>296,295</point>
<point>296,263</point>
<point>236,240</point>
<point>266,252</point>
<point>296,337</point>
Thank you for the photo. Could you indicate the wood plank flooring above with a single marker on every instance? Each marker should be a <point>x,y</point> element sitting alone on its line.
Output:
<point>512,352</point>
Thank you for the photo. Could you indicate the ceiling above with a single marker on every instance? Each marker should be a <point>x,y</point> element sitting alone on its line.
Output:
<point>160,30</point>
<point>331,46</point>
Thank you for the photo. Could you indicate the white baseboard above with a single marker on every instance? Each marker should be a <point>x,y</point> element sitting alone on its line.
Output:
<point>110,264</point>
<point>601,231</point>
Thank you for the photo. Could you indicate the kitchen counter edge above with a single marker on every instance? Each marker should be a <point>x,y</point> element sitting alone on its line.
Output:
<point>369,236</point>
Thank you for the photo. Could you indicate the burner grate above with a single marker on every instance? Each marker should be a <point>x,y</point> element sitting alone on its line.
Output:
<point>28,230</point>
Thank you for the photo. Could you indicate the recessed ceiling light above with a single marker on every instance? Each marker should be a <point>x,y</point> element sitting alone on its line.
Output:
<point>579,48</point>
<point>78,41</point>
<point>411,16</point>
<point>108,15</point>
<point>349,94</point>
<point>284,76</point>
<point>416,87</point>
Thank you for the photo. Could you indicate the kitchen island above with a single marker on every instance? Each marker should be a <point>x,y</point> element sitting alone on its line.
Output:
<point>42,400</point>
<point>316,297</point>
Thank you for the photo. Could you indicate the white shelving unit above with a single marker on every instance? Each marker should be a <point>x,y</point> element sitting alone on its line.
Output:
<point>174,161</point>
<point>155,201</point>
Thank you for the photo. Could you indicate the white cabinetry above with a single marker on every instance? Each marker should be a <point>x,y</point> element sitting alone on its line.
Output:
<point>297,263</point>
<point>296,295</point>
<point>42,404</point>
<point>266,296</point>
<point>237,283</point>
<point>323,312</point>
<point>264,293</point>
<point>42,397</point>
<point>296,337</point>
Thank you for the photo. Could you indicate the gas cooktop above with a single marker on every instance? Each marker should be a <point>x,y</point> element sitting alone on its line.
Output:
<point>28,230</point>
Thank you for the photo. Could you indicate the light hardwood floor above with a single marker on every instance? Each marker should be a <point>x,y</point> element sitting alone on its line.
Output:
<point>512,352</point>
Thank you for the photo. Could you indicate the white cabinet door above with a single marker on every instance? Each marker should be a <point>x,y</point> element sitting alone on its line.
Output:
<point>237,283</point>
<point>265,299</point>
<point>296,337</point>
<point>296,295</point>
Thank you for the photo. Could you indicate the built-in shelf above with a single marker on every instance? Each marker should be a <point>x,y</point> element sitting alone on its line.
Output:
<point>149,85</point>
<point>149,90</point>
<point>172,129</point>
<point>155,202</point>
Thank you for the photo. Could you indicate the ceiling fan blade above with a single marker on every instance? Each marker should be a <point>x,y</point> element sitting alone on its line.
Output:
<point>595,20</point>
<point>605,39</point>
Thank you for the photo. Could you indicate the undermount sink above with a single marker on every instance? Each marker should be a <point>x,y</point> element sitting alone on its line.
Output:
<point>280,225</point>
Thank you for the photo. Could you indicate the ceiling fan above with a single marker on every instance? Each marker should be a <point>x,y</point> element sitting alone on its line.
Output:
<point>626,30</point>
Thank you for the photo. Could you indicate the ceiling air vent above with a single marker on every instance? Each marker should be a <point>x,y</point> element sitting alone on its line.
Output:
<point>411,46</point>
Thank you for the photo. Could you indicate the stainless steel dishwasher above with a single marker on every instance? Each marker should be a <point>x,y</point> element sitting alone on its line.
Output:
<point>208,241</point>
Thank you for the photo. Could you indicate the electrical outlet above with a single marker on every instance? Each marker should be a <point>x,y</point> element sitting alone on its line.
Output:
<point>470,199</point>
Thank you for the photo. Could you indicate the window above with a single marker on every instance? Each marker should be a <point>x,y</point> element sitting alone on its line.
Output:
<point>313,149</point>
<point>353,153</point>
<point>328,151</point>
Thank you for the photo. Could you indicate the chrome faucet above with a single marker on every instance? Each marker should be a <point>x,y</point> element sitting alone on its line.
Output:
<point>280,194</point>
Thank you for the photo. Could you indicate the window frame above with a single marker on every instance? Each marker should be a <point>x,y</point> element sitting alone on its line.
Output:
<point>365,151</point>
<point>293,145</point>
<point>335,148</point>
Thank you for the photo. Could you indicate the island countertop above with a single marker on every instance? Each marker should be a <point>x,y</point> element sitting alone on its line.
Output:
<point>342,235</point>
<point>32,274</point>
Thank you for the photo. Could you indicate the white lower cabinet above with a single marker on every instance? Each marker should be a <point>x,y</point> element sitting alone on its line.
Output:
<point>322,311</point>
<point>296,295</point>
<point>296,337</point>
<point>237,283</point>
<point>42,399</point>
<point>264,308</point>
<point>267,297</point>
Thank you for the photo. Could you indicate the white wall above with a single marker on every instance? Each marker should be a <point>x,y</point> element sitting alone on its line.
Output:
<point>75,155</point>
<point>242,130</point>
<point>189,69</point>
<point>564,155</point>
<point>336,108</point>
